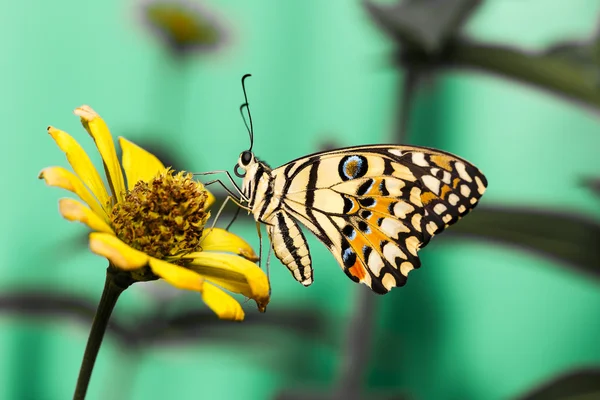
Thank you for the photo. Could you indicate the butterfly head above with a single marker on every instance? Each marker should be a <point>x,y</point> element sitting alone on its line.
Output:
<point>244,163</point>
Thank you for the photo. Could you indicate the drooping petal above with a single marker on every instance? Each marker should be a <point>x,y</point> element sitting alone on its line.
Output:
<point>75,211</point>
<point>233,273</point>
<point>82,165</point>
<point>98,130</point>
<point>218,239</point>
<point>225,306</point>
<point>177,276</point>
<point>138,164</point>
<point>118,253</point>
<point>60,177</point>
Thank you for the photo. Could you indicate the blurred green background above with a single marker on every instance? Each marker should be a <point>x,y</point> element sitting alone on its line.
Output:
<point>481,319</point>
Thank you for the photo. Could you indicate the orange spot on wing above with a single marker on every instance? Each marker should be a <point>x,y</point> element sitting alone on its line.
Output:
<point>444,191</point>
<point>383,205</point>
<point>374,191</point>
<point>376,188</point>
<point>358,270</point>
<point>427,197</point>
<point>357,245</point>
<point>355,206</point>
<point>455,183</point>
<point>442,161</point>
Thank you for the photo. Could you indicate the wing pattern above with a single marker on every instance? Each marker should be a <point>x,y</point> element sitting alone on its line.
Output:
<point>375,207</point>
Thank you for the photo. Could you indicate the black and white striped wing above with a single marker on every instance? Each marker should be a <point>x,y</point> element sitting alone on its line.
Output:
<point>290,247</point>
<point>375,206</point>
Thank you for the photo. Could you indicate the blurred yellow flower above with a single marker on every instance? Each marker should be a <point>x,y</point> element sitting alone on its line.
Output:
<point>154,227</point>
<point>183,25</point>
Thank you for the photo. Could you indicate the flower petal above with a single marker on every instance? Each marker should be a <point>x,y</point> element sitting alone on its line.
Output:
<point>60,177</point>
<point>233,273</point>
<point>98,130</point>
<point>75,211</point>
<point>82,165</point>
<point>218,239</point>
<point>210,200</point>
<point>225,306</point>
<point>177,276</point>
<point>120,254</point>
<point>138,164</point>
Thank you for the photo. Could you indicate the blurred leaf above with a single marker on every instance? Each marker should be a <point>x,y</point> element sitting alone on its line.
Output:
<point>322,395</point>
<point>203,323</point>
<point>577,385</point>
<point>426,25</point>
<point>426,32</point>
<point>585,53</point>
<point>184,27</point>
<point>550,72</point>
<point>593,184</point>
<point>151,329</point>
<point>569,238</point>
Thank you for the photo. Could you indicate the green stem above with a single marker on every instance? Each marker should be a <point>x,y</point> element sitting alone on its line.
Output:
<point>407,95</point>
<point>116,282</point>
<point>358,346</point>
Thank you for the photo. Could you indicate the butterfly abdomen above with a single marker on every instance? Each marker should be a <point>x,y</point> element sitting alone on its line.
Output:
<point>290,247</point>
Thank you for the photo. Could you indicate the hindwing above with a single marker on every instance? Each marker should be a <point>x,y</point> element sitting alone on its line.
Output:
<point>374,207</point>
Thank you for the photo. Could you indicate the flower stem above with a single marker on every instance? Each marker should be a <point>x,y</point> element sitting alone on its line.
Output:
<point>116,282</point>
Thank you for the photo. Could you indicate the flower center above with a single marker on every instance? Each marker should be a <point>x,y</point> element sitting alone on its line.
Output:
<point>163,217</point>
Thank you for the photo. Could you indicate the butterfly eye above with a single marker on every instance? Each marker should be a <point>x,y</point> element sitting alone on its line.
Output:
<point>246,157</point>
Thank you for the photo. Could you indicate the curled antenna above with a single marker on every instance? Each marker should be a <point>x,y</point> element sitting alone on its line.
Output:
<point>249,126</point>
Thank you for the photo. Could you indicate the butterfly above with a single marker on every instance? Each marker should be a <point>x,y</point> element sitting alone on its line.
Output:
<point>374,206</point>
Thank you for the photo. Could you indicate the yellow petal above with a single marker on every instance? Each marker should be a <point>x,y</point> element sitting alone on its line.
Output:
<point>82,165</point>
<point>218,239</point>
<point>60,177</point>
<point>75,211</point>
<point>177,276</point>
<point>233,273</point>
<point>210,200</point>
<point>138,164</point>
<point>98,130</point>
<point>225,306</point>
<point>118,253</point>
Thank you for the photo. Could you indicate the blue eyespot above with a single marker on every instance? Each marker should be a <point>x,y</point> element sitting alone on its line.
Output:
<point>352,167</point>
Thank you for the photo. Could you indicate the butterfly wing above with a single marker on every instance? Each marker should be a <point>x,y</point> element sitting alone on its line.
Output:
<point>374,207</point>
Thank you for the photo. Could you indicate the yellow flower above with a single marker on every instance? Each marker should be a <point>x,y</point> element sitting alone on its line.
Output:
<point>183,26</point>
<point>154,227</point>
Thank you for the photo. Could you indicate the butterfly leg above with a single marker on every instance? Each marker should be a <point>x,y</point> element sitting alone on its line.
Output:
<point>231,194</point>
<point>237,212</point>
<point>237,188</point>
<point>259,244</point>
<point>260,255</point>
<point>240,206</point>
<point>268,268</point>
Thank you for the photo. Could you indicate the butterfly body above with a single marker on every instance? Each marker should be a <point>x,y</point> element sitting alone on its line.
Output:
<point>374,207</point>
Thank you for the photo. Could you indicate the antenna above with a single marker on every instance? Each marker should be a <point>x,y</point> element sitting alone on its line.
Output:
<point>249,127</point>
